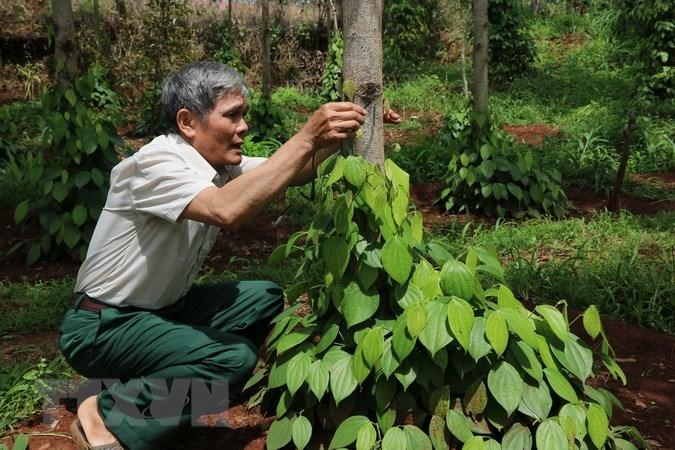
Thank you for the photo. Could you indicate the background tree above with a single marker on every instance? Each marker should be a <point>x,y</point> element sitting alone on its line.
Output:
<point>480,60</point>
<point>363,66</point>
<point>266,46</point>
<point>65,47</point>
<point>535,6</point>
<point>121,7</point>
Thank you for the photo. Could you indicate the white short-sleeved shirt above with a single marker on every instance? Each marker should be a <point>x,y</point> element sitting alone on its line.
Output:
<point>140,253</point>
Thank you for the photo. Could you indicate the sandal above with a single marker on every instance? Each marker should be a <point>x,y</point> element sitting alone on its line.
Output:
<point>82,443</point>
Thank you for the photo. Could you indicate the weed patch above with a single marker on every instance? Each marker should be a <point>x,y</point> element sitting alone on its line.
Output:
<point>27,307</point>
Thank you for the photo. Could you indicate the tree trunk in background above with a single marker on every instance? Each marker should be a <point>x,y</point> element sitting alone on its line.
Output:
<point>266,60</point>
<point>334,15</point>
<point>229,10</point>
<point>464,24</point>
<point>100,44</point>
<point>121,6</point>
<point>536,6</point>
<point>480,59</point>
<point>362,23</point>
<point>65,48</point>
<point>628,135</point>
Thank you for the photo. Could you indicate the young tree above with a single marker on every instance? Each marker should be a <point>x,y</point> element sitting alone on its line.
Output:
<point>65,47</point>
<point>362,21</point>
<point>480,59</point>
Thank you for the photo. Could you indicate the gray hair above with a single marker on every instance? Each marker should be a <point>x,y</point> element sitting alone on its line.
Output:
<point>197,87</point>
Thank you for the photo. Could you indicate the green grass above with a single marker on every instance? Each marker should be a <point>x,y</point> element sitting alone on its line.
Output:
<point>27,307</point>
<point>625,264</point>
<point>423,93</point>
<point>293,98</point>
<point>25,387</point>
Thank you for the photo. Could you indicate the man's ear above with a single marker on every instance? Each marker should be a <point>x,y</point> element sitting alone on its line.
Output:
<point>185,121</point>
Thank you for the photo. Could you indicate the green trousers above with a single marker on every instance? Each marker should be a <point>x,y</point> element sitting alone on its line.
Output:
<point>151,358</point>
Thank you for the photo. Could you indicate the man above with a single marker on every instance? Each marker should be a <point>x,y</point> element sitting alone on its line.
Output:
<point>136,316</point>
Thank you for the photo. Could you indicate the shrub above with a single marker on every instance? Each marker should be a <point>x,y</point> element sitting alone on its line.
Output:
<point>8,130</point>
<point>14,186</point>
<point>254,146</point>
<point>411,32</point>
<point>487,175</point>
<point>220,37</point>
<point>331,79</point>
<point>22,391</point>
<point>511,48</point>
<point>73,181</point>
<point>409,347</point>
<point>267,120</point>
<point>651,27</point>
<point>150,115</point>
<point>592,163</point>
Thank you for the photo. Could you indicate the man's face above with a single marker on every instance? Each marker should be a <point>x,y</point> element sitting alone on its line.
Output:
<point>220,133</point>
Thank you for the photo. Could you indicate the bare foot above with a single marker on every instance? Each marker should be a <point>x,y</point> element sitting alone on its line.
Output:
<point>92,423</point>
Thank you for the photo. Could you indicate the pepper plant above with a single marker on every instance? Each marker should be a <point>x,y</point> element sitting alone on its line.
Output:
<point>73,180</point>
<point>487,176</point>
<point>407,346</point>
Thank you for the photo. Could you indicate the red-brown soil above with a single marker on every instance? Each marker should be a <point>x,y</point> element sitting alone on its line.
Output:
<point>647,357</point>
<point>531,134</point>
<point>664,180</point>
<point>586,203</point>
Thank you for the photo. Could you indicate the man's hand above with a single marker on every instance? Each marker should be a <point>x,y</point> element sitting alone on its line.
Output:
<point>391,116</point>
<point>333,123</point>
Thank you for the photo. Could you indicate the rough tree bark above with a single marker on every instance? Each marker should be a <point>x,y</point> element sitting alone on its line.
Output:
<point>121,6</point>
<point>480,59</point>
<point>362,22</point>
<point>266,58</point>
<point>65,47</point>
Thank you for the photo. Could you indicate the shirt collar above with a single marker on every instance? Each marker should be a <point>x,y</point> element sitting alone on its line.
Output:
<point>195,159</point>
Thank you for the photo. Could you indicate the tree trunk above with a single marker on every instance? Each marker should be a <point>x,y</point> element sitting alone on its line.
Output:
<point>65,48</point>
<point>334,15</point>
<point>535,7</point>
<point>363,65</point>
<point>628,134</point>
<point>266,59</point>
<point>121,6</point>
<point>229,10</point>
<point>100,44</point>
<point>463,23</point>
<point>480,59</point>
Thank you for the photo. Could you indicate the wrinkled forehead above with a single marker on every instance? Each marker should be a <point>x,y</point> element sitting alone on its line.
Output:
<point>230,101</point>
